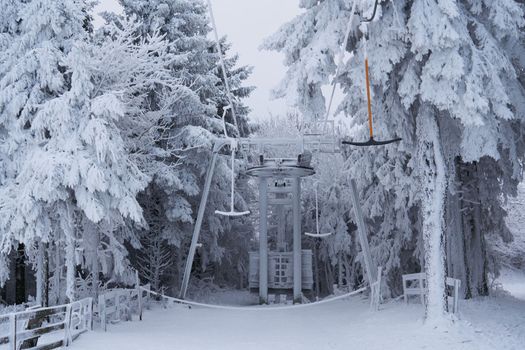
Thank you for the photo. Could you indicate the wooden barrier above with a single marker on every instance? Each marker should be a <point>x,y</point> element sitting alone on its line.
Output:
<point>453,285</point>
<point>31,329</point>
<point>81,318</point>
<point>416,284</point>
<point>119,304</point>
<point>376,297</point>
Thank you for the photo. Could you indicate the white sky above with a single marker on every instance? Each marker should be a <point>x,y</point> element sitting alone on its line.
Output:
<point>247,23</point>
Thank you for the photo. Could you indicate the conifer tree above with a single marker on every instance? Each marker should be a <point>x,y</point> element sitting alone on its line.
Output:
<point>182,148</point>
<point>446,78</point>
<point>64,114</point>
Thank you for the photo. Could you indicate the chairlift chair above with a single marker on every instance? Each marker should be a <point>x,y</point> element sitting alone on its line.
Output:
<point>232,212</point>
<point>318,233</point>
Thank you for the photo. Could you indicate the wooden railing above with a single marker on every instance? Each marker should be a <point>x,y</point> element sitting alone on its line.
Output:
<point>416,284</point>
<point>120,304</point>
<point>47,327</point>
<point>453,285</point>
<point>81,318</point>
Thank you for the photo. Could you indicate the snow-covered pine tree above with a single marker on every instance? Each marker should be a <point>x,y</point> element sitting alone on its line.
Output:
<point>154,258</point>
<point>61,116</point>
<point>182,149</point>
<point>445,78</point>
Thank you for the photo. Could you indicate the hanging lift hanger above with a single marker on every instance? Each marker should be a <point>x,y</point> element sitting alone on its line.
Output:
<point>232,212</point>
<point>318,233</point>
<point>371,141</point>
<point>231,106</point>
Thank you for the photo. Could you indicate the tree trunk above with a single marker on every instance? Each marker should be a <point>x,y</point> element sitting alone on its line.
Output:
<point>434,184</point>
<point>455,246</point>
<point>57,273</point>
<point>20,275</point>
<point>478,259</point>
<point>95,265</point>
<point>40,275</point>
<point>46,275</point>
<point>474,251</point>
<point>70,268</point>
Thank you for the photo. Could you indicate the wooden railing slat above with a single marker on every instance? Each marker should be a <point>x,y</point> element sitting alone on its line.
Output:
<point>54,345</point>
<point>41,313</point>
<point>37,332</point>
<point>25,327</point>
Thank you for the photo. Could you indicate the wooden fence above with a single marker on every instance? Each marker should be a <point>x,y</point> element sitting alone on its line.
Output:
<point>120,304</point>
<point>48,327</point>
<point>416,284</point>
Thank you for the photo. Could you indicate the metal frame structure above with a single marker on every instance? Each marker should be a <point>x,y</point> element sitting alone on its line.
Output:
<point>272,167</point>
<point>315,142</point>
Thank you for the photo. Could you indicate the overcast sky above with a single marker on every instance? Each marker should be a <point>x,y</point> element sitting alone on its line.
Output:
<point>247,23</point>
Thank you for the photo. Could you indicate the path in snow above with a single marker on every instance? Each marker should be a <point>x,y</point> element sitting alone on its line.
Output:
<point>513,281</point>
<point>490,323</point>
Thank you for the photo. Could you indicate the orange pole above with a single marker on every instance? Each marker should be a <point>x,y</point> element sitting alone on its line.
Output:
<point>370,128</point>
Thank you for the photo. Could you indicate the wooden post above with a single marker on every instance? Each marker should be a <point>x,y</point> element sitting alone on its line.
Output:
<point>102,311</point>
<point>376,291</point>
<point>90,314</point>
<point>457,286</point>
<point>118,313</point>
<point>12,331</point>
<point>405,296</point>
<point>67,326</point>
<point>40,274</point>
<point>297,265</point>
<point>363,237</point>
<point>263,240</point>
<point>139,294</point>
<point>339,270</point>
<point>422,287</point>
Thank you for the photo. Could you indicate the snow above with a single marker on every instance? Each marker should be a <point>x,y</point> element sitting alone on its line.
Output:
<point>513,281</point>
<point>347,324</point>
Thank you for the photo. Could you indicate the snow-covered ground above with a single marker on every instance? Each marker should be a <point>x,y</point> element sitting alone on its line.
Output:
<point>488,323</point>
<point>513,281</point>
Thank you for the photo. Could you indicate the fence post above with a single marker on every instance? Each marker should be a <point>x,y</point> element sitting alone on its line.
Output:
<point>12,331</point>
<point>102,311</point>
<point>457,285</point>
<point>140,303</point>
<point>67,324</point>
<point>118,309</point>
<point>423,287</point>
<point>90,314</point>
<point>139,294</point>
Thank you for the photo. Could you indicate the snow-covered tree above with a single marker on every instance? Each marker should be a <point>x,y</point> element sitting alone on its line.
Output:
<point>64,109</point>
<point>445,78</point>
<point>182,149</point>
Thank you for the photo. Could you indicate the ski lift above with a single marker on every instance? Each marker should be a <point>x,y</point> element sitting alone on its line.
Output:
<point>367,20</point>
<point>224,111</point>
<point>318,233</point>
<point>232,212</point>
<point>371,141</point>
